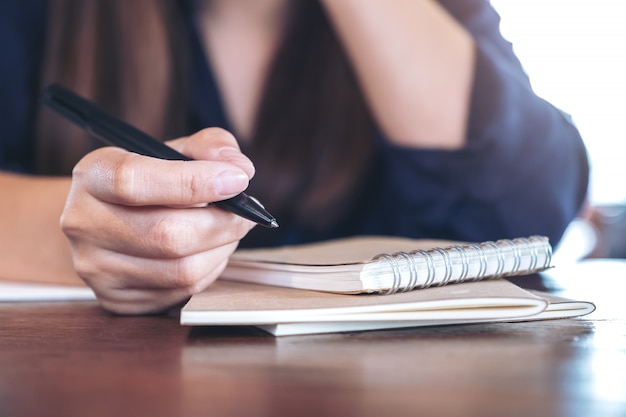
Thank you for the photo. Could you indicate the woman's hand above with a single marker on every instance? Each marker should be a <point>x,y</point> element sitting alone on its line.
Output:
<point>140,233</point>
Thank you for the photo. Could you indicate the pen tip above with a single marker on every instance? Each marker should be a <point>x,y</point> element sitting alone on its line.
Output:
<point>274,224</point>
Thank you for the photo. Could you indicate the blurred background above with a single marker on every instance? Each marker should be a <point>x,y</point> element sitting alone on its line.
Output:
<point>575,54</point>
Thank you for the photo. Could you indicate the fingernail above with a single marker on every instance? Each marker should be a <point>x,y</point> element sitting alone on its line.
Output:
<point>231,182</point>
<point>234,155</point>
<point>228,152</point>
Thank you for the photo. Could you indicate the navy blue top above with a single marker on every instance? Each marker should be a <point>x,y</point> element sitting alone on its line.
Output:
<point>523,171</point>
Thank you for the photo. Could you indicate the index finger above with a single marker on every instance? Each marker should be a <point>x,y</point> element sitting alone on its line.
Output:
<point>213,144</point>
<point>121,177</point>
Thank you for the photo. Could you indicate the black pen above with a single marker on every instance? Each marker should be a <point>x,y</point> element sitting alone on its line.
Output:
<point>115,132</point>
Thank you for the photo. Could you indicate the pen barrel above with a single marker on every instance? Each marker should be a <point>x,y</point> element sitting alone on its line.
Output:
<point>133,140</point>
<point>106,127</point>
<point>115,132</point>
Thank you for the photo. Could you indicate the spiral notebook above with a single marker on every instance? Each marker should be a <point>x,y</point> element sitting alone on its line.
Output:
<point>336,286</point>
<point>377,264</point>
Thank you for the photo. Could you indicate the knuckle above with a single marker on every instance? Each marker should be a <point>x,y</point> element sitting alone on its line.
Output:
<point>69,224</point>
<point>79,172</point>
<point>83,268</point>
<point>188,274</point>
<point>87,270</point>
<point>192,274</point>
<point>122,180</point>
<point>193,185</point>
<point>174,236</point>
<point>84,168</point>
<point>110,173</point>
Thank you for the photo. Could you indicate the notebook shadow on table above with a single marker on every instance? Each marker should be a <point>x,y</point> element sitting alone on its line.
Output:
<point>532,282</point>
<point>227,332</point>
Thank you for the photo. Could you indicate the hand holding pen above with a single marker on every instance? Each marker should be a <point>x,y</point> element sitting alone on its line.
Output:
<point>136,233</point>
<point>115,132</point>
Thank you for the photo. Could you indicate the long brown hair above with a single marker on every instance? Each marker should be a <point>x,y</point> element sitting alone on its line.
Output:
<point>313,138</point>
<point>120,54</point>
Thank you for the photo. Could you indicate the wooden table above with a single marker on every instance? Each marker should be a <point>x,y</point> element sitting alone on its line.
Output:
<point>72,359</point>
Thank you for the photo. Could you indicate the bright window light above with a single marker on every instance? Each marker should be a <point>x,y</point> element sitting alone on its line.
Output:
<point>575,54</point>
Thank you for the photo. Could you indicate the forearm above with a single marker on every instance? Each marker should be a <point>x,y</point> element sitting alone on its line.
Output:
<point>415,65</point>
<point>32,246</point>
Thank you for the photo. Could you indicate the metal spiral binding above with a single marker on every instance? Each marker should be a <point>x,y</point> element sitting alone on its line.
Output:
<point>464,262</point>
<point>397,277</point>
<point>430,264</point>
<point>412,269</point>
<point>478,249</point>
<point>517,254</point>
<point>482,258</point>
<point>447,263</point>
<point>501,260</point>
<point>547,249</point>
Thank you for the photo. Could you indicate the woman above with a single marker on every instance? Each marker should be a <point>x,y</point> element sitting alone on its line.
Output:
<point>410,117</point>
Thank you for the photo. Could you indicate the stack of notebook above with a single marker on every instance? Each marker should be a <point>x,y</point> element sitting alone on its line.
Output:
<point>368,283</point>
